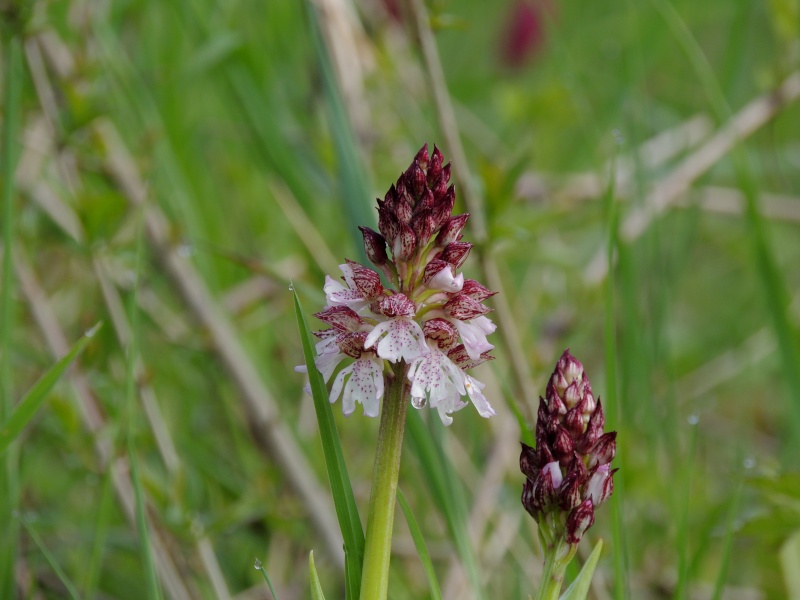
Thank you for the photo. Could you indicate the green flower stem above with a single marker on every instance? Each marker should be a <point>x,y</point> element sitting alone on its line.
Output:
<point>558,555</point>
<point>375,577</point>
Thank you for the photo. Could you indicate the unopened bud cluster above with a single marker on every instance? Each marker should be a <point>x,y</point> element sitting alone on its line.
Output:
<point>429,316</point>
<point>569,472</point>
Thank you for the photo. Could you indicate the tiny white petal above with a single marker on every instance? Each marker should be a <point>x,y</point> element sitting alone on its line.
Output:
<point>474,387</point>
<point>473,334</point>
<point>403,340</point>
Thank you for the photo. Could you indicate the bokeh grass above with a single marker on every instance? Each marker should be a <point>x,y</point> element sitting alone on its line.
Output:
<point>261,140</point>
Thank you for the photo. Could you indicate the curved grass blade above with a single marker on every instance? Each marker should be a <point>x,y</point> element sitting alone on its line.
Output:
<point>579,589</point>
<point>341,488</point>
<point>260,567</point>
<point>25,410</point>
<point>419,544</point>
<point>316,588</point>
<point>62,576</point>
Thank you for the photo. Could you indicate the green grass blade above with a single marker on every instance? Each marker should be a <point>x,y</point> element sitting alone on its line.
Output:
<point>447,492</point>
<point>25,410</point>
<point>341,488</point>
<point>9,471</point>
<point>260,567</point>
<point>51,560</point>
<point>316,588</point>
<point>91,574</point>
<point>790,557</point>
<point>727,543</point>
<point>419,544</point>
<point>579,589</point>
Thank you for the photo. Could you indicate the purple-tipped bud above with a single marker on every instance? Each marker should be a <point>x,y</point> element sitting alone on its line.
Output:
<point>426,201</point>
<point>563,445</point>
<point>405,243</point>
<point>443,209</point>
<point>456,253</point>
<point>415,179</point>
<point>340,318</point>
<point>573,421</point>
<point>451,230</point>
<point>443,332</point>
<point>422,155</point>
<point>374,246</point>
<point>600,485</point>
<point>388,224</point>
<point>422,226</point>
<point>475,290</point>
<point>435,165</point>
<point>404,208</point>
<point>604,450</point>
<point>569,495</point>
<point>527,461</point>
<point>527,499</point>
<point>465,308</point>
<point>544,491</point>
<point>579,520</point>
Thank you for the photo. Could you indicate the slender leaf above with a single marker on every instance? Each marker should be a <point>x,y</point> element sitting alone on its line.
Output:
<point>419,544</point>
<point>579,589</point>
<point>25,410</point>
<point>260,567</point>
<point>51,560</point>
<point>316,588</point>
<point>343,499</point>
<point>790,558</point>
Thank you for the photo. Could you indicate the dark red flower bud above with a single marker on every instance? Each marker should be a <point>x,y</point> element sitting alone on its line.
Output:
<point>465,308</point>
<point>435,165</point>
<point>415,179</point>
<point>573,421</point>
<point>422,225</point>
<point>405,243</point>
<point>579,520</point>
<point>374,246</point>
<point>422,155</point>
<point>426,201</point>
<point>527,499</point>
<point>569,494</point>
<point>341,318</point>
<point>563,445</point>
<point>456,253</point>
<point>475,290</point>
<point>604,450</point>
<point>404,208</point>
<point>544,492</point>
<point>388,225</point>
<point>600,485</point>
<point>527,461</point>
<point>443,209</point>
<point>442,331</point>
<point>439,187</point>
<point>451,230</point>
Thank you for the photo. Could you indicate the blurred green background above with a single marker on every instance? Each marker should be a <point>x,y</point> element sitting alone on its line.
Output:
<point>179,164</point>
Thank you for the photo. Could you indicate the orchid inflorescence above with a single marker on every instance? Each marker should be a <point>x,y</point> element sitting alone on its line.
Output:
<point>429,319</point>
<point>569,472</point>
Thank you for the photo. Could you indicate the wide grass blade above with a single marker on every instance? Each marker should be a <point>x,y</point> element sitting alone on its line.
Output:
<point>419,544</point>
<point>25,410</point>
<point>316,588</point>
<point>341,488</point>
<point>579,589</point>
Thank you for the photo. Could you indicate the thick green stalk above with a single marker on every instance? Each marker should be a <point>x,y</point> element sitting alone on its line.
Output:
<point>9,476</point>
<point>557,555</point>
<point>377,553</point>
